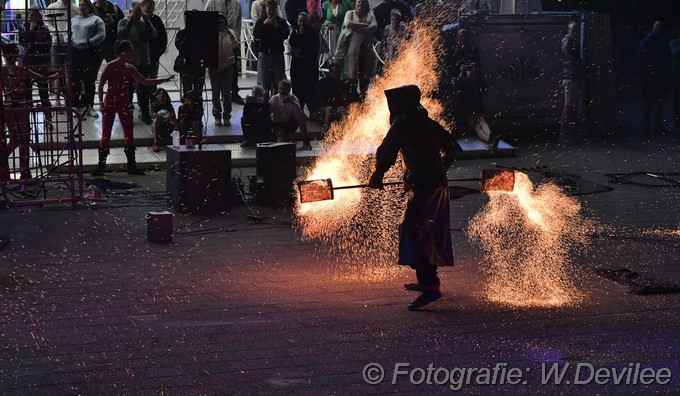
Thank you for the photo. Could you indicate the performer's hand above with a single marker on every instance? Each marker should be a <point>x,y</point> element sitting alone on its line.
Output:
<point>376,181</point>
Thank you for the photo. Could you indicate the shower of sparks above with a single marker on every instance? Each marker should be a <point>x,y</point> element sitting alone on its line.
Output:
<point>359,226</point>
<point>527,236</point>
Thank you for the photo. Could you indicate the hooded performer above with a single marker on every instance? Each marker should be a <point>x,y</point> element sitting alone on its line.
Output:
<point>424,235</point>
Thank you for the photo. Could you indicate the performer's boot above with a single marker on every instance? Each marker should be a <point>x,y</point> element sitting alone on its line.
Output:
<point>431,293</point>
<point>101,165</point>
<point>131,163</point>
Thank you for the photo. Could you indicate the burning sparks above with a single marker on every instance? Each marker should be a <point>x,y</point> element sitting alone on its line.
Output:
<point>527,236</point>
<point>361,224</point>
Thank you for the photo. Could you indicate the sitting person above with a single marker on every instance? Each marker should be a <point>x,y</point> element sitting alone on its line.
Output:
<point>189,116</point>
<point>287,115</point>
<point>256,123</point>
<point>351,94</point>
<point>330,97</point>
<point>163,117</point>
<point>470,109</point>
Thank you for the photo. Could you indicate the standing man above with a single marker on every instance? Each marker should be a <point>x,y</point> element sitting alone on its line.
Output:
<point>572,77</point>
<point>272,31</point>
<point>424,233</point>
<point>159,43</point>
<point>58,15</point>
<point>232,10</point>
<point>654,66</point>
<point>111,15</point>
<point>137,28</point>
<point>675,54</point>
<point>304,64</point>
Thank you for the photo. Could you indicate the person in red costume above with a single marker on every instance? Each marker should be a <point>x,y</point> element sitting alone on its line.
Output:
<point>118,74</point>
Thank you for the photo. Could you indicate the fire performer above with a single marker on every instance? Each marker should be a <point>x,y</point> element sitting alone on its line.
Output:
<point>424,235</point>
<point>117,74</point>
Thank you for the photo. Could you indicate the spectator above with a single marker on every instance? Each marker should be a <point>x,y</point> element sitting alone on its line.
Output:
<point>189,116</point>
<point>117,76</point>
<point>304,65</point>
<point>158,44</point>
<point>314,7</point>
<point>470,106</point>
<point>111,14</point>
<point>17,95</point>
<point>293,8</point>
<point>350,91</point>
<point>330,96</point>
<point>383,14</point>
<point>58,14</point>
<point>654,66</point>
<point>458,54</point>
<point>287,115</point>
<point>393,35</point>
<point>17,23</point>
<point>360,57</point>
<point>137,28</point>
<point>36,40</point>
<point>675,53</point>
<point>572,76</point>
<point>315,23</point>
<point>220,76</point>
<point>191,72</point>
<point>333,12</point>
<point>232,9</point>
<point>163,117</point>
<point>259,8</point>
<point>272,31</point>
<point>256,120</point>
<point>89,32</point>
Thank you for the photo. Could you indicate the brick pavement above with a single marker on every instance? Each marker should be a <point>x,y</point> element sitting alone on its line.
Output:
<point>89,307</point>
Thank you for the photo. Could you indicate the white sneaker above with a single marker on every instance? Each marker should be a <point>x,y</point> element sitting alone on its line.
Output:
<point>91,112</point>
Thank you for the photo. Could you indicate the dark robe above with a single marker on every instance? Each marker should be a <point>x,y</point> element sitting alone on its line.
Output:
<point>424,234</point>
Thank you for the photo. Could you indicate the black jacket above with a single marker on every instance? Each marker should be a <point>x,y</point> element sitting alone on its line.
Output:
<point>271,37</point>
<point>160,43</point>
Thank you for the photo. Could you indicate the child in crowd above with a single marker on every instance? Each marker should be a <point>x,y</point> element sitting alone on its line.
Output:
<point>163,117</point>
<point>189,116</point>
<point>256,123</point>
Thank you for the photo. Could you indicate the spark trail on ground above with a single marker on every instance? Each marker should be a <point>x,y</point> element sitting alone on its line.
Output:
<point>527,237</point>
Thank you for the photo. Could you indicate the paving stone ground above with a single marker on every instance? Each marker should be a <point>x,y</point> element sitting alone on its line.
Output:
<point>236,307</point>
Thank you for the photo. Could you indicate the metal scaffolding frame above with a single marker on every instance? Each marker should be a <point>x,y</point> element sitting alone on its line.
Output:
<point>41,153</point>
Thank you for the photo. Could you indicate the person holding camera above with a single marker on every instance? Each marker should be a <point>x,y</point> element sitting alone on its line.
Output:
<point>272,31</point>
<point>137,28</point>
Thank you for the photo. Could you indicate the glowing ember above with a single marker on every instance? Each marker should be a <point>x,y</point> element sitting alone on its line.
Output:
<point>527,236</point>
<point>359,223</point>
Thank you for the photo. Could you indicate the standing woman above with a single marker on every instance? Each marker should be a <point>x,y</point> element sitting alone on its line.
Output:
<point>360,56</point>
<point>89,33</point>
<point>118,74</point>
<point>333,12</point>
<point>37,40</point>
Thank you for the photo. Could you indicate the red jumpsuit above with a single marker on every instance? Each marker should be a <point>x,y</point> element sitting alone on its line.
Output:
<point>16,88</point>
<point>117,101</point>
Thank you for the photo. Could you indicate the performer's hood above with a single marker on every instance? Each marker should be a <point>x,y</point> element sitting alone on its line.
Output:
<point>403,100</point>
